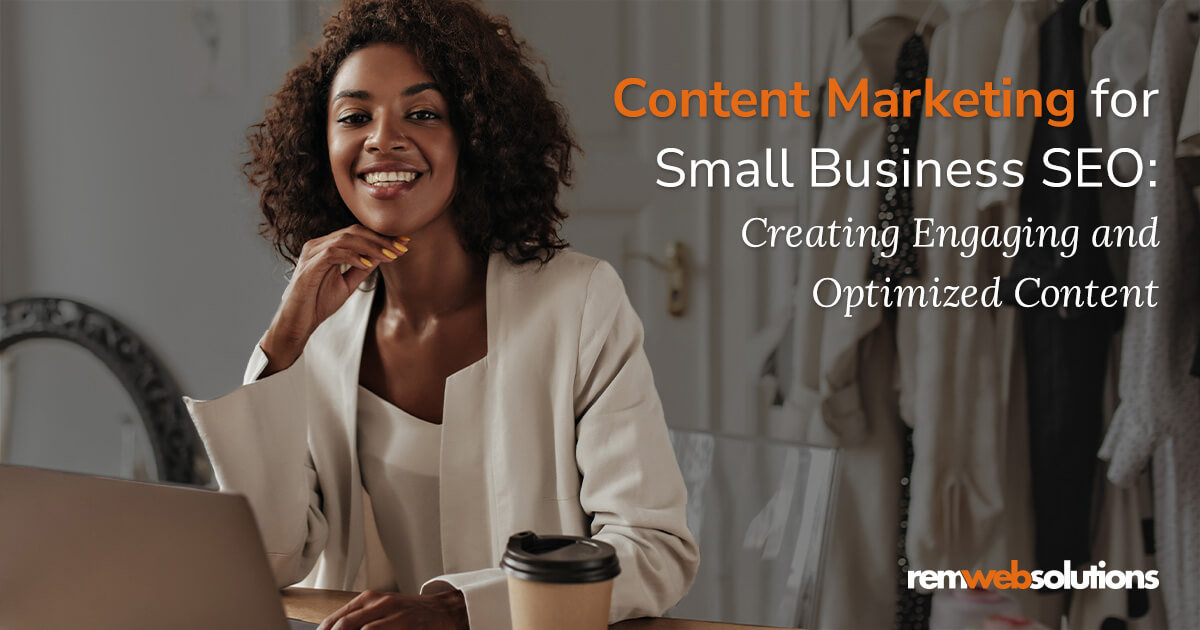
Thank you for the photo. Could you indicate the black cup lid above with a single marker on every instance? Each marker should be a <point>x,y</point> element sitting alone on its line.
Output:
<point>559,559</point>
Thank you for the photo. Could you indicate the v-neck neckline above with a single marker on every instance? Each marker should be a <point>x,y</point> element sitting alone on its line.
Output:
<point>490,295</point>
<point>392,409</point>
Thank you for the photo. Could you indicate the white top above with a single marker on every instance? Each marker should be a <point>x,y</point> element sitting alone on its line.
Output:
<point>398,456</point>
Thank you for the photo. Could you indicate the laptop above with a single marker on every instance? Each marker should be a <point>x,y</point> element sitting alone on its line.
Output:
<point>78,551</point>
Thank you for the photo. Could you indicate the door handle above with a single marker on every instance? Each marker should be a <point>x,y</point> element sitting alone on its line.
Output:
<point>675,265</point>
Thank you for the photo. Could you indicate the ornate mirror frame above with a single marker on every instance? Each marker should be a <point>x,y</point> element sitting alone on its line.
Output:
<point>178,451</point>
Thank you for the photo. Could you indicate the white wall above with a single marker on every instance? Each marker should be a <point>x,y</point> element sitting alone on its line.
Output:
<point>121,183</point>
<point>121,128</point>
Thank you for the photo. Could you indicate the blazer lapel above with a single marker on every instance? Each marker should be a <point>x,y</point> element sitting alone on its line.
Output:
<point>465,499</point>
<point>336,368</point>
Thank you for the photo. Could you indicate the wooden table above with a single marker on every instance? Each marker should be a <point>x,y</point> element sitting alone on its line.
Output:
<point>313,605</point>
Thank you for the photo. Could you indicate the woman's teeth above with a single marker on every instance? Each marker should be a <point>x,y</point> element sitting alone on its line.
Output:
<point>385,179</point>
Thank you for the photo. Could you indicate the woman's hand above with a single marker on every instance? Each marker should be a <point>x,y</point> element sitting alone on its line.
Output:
<point>319,287</point>
<point>393,611</point>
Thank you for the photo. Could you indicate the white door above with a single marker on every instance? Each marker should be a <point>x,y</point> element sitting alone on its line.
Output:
<point>618,213</point>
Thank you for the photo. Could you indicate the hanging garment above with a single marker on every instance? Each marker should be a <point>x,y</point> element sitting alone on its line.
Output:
<point>1009,137</point>
<point>825,389</point>
<point>1123,521</point>
<point>1176,474</point>
<point>1189,142</point>
<point>952,360</point>
<point>1065,348</point>
<point>896,212</point>
<point>841,391</point>
<point>1189,124</point>
<point>1122,55</point>
<point>1125,541</point>
<point>858,576</point>
<point>1157,397</point>
<point>1159,413</point>
<point>895,204</point>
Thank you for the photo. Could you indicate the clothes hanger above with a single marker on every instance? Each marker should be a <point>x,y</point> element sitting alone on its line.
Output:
<point>920,30</point>
<point>848,8</point>
<point>1095,13</point>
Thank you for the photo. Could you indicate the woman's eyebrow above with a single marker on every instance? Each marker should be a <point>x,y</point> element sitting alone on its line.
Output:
<point>364,95</point>
<point>417,88</point>
<point>361,95</point>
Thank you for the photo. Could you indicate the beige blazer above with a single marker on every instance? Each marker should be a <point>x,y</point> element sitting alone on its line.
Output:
<point>558,429</point>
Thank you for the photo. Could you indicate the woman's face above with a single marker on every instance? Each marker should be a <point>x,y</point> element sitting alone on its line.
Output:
<point>393,153</point>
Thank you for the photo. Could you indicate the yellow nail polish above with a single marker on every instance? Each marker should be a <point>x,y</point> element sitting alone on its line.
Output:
<point>404,239</point>
<point>389,254</point>
<point>400,246</point>
<point>366,262</point>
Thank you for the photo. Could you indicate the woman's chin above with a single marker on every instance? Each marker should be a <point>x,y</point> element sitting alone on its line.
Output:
<point>395,222</point>
<point>383,225</point>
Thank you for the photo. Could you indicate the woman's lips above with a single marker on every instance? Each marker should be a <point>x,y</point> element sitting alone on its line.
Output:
<point>388,190</point>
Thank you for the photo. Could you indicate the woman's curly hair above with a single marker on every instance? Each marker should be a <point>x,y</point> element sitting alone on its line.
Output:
<point>515,144</point>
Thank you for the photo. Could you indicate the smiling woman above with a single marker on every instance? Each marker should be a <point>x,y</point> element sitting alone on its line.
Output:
<point>439,374</point>
<point>392,141</point>
<point>514,140</point>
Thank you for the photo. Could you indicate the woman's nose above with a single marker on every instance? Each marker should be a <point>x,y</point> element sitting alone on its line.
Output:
<point>386,137</point>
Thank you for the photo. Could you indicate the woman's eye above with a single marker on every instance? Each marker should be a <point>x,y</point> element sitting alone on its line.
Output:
<point>352,119</point>
<point>424,114</point>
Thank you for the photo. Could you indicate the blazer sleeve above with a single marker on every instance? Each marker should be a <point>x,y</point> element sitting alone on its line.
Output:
<point>631,485</point>
<point>485,593</point>
<point>257,441</point>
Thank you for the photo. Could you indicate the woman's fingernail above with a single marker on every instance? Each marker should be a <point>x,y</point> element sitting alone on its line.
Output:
<point>366,262</point>
<point>389,253</point>
<point>400,246</point>
<point>404,239</point>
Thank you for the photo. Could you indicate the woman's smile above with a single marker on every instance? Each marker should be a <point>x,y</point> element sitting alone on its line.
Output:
<point>389,180</point>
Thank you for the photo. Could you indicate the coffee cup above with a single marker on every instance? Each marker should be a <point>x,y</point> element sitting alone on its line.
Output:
<point>558,582</point>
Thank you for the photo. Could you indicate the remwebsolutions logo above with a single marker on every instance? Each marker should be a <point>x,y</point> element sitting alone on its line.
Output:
<point>1095,577</point>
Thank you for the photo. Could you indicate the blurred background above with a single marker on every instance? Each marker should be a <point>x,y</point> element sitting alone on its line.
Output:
<point>122,127</point>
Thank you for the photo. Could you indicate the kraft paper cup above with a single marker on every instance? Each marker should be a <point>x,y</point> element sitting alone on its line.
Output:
<point>557,582</point>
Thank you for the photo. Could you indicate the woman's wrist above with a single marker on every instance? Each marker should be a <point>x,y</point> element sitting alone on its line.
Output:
<point>455,605</point>
<point>281,352</point>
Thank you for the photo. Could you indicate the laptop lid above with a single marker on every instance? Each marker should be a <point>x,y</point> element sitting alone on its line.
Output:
<point>79,551</point>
